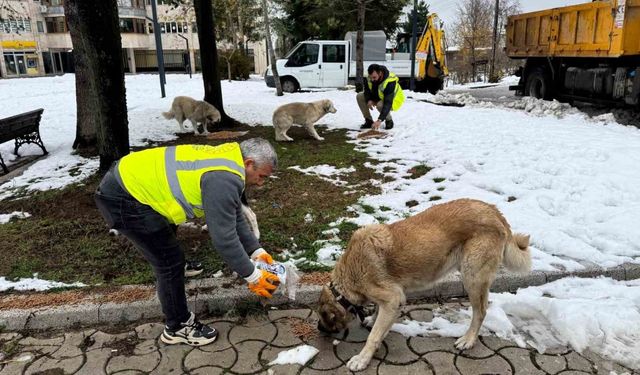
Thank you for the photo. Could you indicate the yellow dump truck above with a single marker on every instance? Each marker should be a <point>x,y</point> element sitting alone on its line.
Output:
<point>587,52</point>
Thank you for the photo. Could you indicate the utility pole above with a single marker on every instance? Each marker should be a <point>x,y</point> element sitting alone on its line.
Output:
<point>495,41</point>
<point>159,53</point>
<point>414,43</point>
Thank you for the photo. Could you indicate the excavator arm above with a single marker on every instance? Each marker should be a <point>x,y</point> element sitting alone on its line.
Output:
<point>431,56</point>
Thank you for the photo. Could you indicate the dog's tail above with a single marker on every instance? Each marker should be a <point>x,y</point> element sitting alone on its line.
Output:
<point>517,257</point>
<point>169,115</point>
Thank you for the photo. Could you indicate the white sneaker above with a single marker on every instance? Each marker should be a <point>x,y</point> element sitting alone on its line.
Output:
<point>192,333</point>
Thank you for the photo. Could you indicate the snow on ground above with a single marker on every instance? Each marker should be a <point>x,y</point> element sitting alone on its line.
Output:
<point>5,218</point>
<point>34,284</point>
<point>602,315</point>
<point>566,179</point>
<point>326,172</point>
<point>298,355</point>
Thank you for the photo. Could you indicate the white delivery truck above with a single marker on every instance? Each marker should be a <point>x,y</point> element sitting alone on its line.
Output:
<point>332,63</point>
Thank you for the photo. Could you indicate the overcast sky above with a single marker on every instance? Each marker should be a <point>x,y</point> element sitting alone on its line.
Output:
<point>446,9</point>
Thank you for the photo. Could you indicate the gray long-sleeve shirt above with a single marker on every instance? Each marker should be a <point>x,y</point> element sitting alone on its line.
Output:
<point>230,234</point>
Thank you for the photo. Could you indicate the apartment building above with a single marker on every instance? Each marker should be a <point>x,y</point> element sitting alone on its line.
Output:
<point>35,40</point>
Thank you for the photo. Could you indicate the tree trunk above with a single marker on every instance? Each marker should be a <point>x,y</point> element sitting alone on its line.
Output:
<point>241,27</point>
<point>272,54</point>
<point>209,58</point>
<point>360,46</point>
<point>102,123</point>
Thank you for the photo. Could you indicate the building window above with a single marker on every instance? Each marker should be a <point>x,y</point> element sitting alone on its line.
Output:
<point>132,25</point>
<point>18,25</point>
<point>56,25</point>
<point>40,25</point>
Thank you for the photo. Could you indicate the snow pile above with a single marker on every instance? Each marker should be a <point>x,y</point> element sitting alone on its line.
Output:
<point>331,248</point>
<point>34,284</point>
<point>539,107</point>
<point>298,355</point>
<point>445,98</point>
<point>325,172</point>
<point>5,218</point>
<point>602,315</point>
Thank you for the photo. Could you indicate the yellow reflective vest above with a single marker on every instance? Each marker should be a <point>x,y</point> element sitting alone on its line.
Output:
<point>168,178</point>
<point>398,94</point>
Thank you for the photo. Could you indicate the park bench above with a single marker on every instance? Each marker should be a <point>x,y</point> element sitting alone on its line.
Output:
<point>23,128</point>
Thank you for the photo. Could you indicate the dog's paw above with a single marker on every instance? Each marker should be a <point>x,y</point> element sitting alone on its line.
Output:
<point>369,321</point>
<point>320,138</point>
<point>464,342</point>
<point>358,363</point>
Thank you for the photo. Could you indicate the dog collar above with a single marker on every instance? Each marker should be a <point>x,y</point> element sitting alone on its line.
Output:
<point>344,302</point>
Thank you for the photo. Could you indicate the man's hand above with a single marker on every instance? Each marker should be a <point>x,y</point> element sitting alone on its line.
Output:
<point>262,283</point>
<point>261,255</point>
<point>376,125</point>
<point>371,104</point>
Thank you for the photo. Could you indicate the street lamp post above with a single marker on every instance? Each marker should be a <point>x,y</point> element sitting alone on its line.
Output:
<point>159,54</point>
<point>414,36</point>
<point>188,53</point>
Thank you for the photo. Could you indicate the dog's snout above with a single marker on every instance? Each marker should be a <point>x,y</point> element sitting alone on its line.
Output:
<point>324,329</point>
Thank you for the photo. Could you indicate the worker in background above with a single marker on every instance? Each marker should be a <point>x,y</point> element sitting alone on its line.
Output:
<point>147,192</point>
<point>383,91</point>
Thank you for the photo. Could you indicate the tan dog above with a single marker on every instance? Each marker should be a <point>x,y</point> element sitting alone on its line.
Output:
<point>197,111</point>
<point>305,114</point>
<point>384,262</point>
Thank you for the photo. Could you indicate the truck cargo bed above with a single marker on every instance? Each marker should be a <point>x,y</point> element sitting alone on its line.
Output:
<point>596,29</point>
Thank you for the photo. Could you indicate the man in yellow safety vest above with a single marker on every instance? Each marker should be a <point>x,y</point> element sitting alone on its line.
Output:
<point>147,193</point>
<point>383,91</point>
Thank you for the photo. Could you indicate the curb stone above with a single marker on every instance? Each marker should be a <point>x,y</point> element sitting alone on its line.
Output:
<point>219,299</point>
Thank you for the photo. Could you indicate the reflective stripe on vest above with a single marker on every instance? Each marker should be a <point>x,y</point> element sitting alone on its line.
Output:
<point>173,166</point>
<point>398,94</point>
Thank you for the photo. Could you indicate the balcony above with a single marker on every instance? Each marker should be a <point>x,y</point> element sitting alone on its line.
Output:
<point>131,12</point>
<point>57,10</point>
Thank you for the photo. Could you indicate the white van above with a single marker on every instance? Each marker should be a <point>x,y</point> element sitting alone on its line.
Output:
<point>332,63</point>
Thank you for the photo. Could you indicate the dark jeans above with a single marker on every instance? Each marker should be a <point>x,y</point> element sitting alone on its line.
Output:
<point>156,239</point>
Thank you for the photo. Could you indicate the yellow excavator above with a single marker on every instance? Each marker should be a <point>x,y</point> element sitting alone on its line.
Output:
<point>430,55</point>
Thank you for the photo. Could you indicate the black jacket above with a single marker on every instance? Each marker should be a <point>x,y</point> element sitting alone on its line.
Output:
<point>389,93</point>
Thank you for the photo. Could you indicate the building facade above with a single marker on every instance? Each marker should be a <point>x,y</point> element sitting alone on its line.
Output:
<point>35,40</point>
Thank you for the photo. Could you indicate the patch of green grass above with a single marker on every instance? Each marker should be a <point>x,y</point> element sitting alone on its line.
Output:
<point>346,230</point>
<point>385,208</point>
<point>441,188</point>
<point>411,203</point>
<point>368,209</point>
<point>435,198</point>
<point>67,240</point>
<point>438,179</point>
<point>313,267</point>
<point>419,171</point>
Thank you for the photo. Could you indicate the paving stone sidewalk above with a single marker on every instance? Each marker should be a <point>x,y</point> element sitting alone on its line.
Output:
<point>247,345</point>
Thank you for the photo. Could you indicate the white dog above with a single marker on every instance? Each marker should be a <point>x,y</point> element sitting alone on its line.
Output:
<point>197,111</point>
<point>304,114</point>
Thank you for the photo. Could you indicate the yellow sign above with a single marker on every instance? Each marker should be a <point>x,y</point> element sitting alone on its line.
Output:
<point>19,44</point>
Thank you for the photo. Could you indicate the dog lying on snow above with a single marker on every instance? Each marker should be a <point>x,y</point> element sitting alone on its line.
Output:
<point>384,262</point>
<point>304,114</point>
<point>197,111</point>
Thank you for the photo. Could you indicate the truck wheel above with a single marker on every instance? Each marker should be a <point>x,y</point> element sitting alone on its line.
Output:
<point>538,84</point>
<point>289,85</point>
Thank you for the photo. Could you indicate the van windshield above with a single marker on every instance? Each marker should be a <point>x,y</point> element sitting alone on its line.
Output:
<point>304,54</point>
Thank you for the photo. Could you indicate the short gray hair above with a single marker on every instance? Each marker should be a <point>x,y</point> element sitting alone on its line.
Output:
<point>260,150</point>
